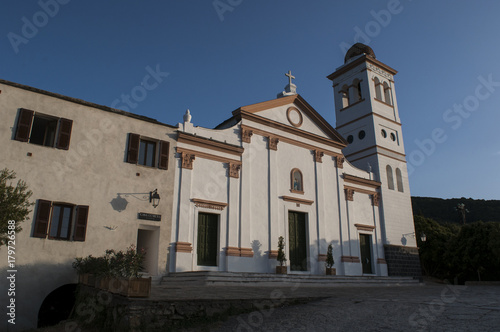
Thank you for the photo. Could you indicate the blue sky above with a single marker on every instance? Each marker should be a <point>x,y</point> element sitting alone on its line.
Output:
<point>213,61</point>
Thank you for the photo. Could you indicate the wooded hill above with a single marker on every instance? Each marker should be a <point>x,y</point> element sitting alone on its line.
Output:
<point>444,210</point>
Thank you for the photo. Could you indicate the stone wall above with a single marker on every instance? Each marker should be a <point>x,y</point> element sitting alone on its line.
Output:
<point>402,261</point>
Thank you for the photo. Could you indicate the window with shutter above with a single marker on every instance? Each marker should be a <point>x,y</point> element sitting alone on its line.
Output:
<point>133,148</point>
<point>82,213</point>
<point>42,218</point>
<point>64,136</point>
<point>24,125</point>
<point>164,150</point>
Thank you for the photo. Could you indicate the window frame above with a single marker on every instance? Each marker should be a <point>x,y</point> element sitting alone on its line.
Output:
<point>26,121</point>
<point>147,142</point>
<point>60,221</point>
<point>161,152</point>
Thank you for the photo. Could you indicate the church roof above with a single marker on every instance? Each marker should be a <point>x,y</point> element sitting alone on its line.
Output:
<point>358,49</point>
<point>301,103</point>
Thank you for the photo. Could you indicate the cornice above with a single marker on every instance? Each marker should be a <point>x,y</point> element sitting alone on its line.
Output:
<point>203,142</point>
<point>209,204</point>
<point>361,227</point>
<point>345,68</point>
<point>207,156</point>
<point>360,181</point>
<point>367,115</point>
<point>297,200</point>
<point>359,190</point>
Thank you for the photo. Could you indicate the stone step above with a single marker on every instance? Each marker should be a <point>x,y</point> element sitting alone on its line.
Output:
<point>262,279</point>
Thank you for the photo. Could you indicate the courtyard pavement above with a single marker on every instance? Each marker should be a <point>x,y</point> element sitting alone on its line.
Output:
<point>429,307</point>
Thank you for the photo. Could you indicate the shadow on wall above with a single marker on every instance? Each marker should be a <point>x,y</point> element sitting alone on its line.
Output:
<point>57,306</point>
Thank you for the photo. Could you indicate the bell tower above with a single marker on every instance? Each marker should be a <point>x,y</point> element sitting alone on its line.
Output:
<point>367,117</point>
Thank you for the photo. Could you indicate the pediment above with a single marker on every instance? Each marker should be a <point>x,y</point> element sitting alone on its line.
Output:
<point>295,112</point>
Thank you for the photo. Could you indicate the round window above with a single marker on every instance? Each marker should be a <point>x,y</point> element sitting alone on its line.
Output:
<point>361,134</point>
<point>350,139</point>
<point>393,137</point>
<point>384,133</point>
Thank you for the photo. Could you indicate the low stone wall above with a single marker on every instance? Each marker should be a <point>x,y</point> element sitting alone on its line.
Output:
<point>402,261</point>
<point>102,310</point>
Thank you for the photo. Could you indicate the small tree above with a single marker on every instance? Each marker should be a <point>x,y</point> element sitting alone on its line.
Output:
<point>329,257</point>
<point>14,204</point>
<point>281,253</point>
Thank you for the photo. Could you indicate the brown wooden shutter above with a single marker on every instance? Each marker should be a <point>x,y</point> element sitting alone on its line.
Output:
<point>64,135</point>
<point>42,218</point>
<point>133,148</point>
<point>82,212</point>
<point>164,151</point>
<point>24,125</point>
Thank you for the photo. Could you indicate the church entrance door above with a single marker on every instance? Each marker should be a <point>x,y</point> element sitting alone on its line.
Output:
<point>365,241</point>
<point>297,241</point>
<point>208,234</point>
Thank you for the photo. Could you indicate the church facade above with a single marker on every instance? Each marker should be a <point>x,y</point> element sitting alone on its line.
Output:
<point>277,168</point>
<point>274,168</point>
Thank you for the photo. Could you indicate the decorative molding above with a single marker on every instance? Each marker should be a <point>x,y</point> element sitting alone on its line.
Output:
<point>350,259</point>
<point>340,161</point>
<point>297,200</point>
<point>369,114</point>
<point>207,156</point>
<point>183,247</point>
<point>273,254</point>
<point>233,251</point>
<point>289,116</point>
<point>378,147</point>
<point>381,261</point>
<point>349,194</point>
<point>209,204</point>
<point>250,110</point>
<point>291,141</point>
<point>272,143</point>
<point>206,143</point>
<point>361,227</point>
<point>318,156</point>
<point>383,102</point>
<point>246,252</point>
<point>187,160</point>
<point>246,135</point>
<point>361,181</point>
<point>234,170</point>
<point>322,258</point>
<point>381,154</point>
<point>360,190</point>
<point>379,71</point>
<point>357,62</point>
<point>295,131</point>
<point>296,191</point>
<point>376,199</point>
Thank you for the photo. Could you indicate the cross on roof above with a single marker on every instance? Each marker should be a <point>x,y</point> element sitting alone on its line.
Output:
<point>290,77</point>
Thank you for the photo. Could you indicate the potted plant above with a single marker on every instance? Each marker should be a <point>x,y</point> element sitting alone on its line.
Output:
<point>330,270</point>
<point>281,269</point>
<point>128,267</point>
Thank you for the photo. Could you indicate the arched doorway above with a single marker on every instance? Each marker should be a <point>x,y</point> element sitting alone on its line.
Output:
<point>57,305</point>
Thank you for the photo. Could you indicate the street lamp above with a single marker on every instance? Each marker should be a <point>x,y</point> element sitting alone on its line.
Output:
<point>154,198</point>
<point>423,237</point>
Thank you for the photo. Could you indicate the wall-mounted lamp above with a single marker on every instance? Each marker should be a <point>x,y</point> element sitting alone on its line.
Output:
<point>154,198</point>
<point>423,237</point>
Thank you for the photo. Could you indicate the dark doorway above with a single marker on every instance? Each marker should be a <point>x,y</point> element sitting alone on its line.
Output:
<point>297,241</point>
<point>57,306</point>
<point>365,243</point>
<point>208,234</point>
<point>148,240</point>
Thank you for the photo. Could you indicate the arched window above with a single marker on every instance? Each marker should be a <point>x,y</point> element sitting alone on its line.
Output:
<point>345,96</point>
<point>387,93</point>
<point>378,88</point>
<point>390,178</point>
<point>296,181</point>
<point>399,180</point>
<point>356,86</point>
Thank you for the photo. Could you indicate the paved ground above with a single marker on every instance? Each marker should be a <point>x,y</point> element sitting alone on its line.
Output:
<point>435,307</point>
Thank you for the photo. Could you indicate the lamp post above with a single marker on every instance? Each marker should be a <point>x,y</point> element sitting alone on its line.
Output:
<point>154,198</point>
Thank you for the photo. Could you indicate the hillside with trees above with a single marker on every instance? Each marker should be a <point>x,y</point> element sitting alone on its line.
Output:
<point>445,210</point>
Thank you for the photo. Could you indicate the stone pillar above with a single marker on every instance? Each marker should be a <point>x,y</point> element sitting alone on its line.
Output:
<point>275,225</point>
<point>320,213</point>
<point>232,250</point>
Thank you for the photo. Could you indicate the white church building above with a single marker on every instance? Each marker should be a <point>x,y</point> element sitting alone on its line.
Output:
<point>275,168</point>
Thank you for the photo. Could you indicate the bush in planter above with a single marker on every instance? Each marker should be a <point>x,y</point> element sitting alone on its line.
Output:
<point>329,261</point>
<point>281,269</point>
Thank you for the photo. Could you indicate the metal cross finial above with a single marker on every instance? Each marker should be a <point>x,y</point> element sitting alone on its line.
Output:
<point>290,77</point>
